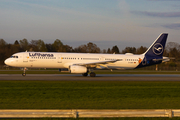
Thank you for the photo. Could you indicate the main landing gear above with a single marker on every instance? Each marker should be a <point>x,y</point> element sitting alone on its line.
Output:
<point>92,74</point>
<point>85,74</point>
<point>24,72</point>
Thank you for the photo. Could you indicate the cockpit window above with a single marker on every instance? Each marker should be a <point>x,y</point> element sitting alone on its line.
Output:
<point>14,57</point>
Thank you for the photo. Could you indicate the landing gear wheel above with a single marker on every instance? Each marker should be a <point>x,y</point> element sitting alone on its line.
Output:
<point>85,74</point>
<point>92,74</point>
<point>24,74</point>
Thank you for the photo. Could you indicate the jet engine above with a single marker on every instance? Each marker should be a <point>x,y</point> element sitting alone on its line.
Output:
<point>77,69</point>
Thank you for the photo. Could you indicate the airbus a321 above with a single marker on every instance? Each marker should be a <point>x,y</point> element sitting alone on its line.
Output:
<point>84,63</point>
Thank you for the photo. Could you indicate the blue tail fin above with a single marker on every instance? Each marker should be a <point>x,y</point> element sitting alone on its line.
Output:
<point>157,48</point>
<point>154,54</point>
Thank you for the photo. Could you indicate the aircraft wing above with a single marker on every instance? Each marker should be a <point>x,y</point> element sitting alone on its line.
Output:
<point>94,64</point>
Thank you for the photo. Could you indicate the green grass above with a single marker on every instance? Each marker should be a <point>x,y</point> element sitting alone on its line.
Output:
<point>89,95</point>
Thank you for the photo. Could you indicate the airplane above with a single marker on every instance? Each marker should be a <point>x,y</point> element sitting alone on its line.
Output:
<point>84,63</point>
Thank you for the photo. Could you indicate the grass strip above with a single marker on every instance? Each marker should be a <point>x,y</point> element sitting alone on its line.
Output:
<point>89,95</point>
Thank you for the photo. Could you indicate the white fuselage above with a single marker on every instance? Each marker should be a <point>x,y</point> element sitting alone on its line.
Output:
<point>86,62</point>
<point>64,60</point>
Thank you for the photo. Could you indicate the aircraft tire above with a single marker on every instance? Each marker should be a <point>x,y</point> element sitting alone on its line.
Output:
<point>85,74</point>
<point>92,74</point>
<point>24,74</point>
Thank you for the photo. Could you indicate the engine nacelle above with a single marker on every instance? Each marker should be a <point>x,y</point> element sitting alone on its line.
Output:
<point>78,69</point>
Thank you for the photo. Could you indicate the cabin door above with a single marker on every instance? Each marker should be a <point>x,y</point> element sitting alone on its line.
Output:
<point>102,58</point>
<point>59,59</point>
<point>25,57</point>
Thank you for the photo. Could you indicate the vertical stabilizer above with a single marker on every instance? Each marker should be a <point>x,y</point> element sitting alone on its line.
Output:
<point>157,48</point>
<point>154,54</point>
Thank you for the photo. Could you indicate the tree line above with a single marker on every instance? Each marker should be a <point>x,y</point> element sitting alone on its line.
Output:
<point>7,49</point>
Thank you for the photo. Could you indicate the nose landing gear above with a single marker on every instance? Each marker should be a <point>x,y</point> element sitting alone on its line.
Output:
<point>24,72</point>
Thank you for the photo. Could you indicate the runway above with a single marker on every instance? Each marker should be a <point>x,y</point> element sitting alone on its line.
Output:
<point>99,77</point>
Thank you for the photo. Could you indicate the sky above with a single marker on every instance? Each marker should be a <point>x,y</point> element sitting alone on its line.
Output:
<point>106,23</point>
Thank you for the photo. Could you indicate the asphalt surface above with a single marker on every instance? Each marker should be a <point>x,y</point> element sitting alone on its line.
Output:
<point>99,77</point>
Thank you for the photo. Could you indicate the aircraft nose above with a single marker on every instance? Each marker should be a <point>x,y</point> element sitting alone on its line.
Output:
<point>8,62</point>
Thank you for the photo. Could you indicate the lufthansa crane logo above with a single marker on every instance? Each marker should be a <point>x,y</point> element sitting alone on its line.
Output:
<point>157,49</point>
